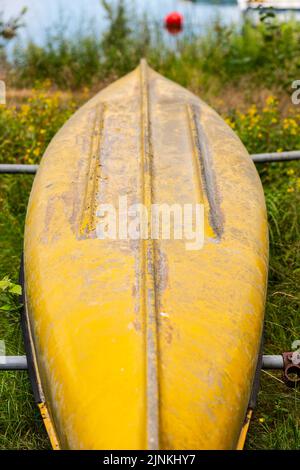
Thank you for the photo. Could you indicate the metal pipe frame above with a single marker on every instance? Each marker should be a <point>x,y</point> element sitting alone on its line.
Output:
<point>272,362</point>
<point>18,169</point>
<point>13,363</point>
<point>276,157</point>
<point>20,362</point>
<point>256,157</point>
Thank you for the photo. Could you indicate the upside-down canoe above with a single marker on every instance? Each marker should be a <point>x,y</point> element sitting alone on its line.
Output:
<point>143,344</point>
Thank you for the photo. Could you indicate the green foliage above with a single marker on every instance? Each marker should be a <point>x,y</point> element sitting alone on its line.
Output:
<point>20,424</point>
<point>21,427</point>
<point>68,63</point>
<point>115,44</point>
<point>124,42</point>
<point>276,423</point>
<point>27,128</point>
<point>7,286</point>
<point>8,29</point>
<point>268,52</point>
<point>9,295</point>
<point>266,129</point>
<point>84,59</point>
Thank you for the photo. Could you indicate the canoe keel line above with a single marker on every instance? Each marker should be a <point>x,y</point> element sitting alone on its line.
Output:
<point>148,273</point>
<point>136,344</point>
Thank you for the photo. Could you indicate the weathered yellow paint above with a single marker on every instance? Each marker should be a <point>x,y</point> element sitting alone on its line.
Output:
<point>143,344</point>
<point>243,435</point>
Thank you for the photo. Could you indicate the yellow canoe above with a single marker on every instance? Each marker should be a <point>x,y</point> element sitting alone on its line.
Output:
<point>145,343</point>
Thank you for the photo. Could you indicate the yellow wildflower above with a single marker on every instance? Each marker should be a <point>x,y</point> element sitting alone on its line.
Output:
<point>270,100</point>
<point>252,110</point>
<point>25,109</point>
<point>230,123</point>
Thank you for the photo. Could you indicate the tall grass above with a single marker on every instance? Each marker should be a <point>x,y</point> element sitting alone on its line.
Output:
<point>276,421</point>
<point>86,58</point>
<point>20,423</point>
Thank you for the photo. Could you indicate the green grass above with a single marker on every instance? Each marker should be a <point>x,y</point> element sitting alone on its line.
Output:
<point>276,423</point>
<point>266,53</point>
<point>20,423</point>
<point>276,420</point>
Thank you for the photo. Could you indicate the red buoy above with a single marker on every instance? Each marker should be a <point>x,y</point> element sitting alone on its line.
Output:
<point>174,22</point>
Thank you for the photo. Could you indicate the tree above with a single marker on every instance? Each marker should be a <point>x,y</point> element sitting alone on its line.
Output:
<point>8,29</point>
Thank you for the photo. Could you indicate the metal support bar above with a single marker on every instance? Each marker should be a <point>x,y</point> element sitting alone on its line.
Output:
<point>13,363</point>
<point>287,363</point>
<point>272,362</point>
<point>291,373</point>
<point>276,157</point>
<point>20,362</point>
<point>21,169</point>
